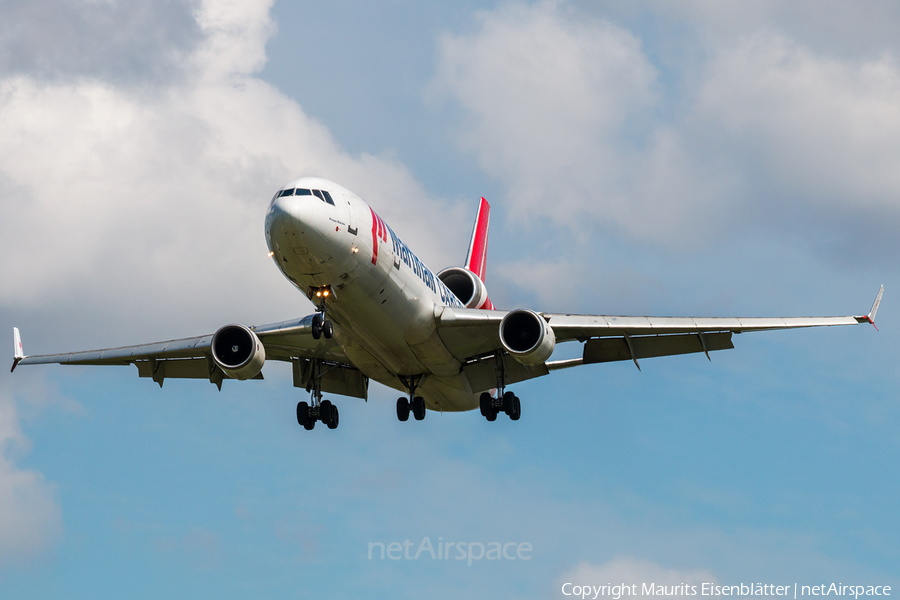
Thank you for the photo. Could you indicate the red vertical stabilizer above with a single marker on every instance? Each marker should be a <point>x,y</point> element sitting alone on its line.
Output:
<point>476,260</point>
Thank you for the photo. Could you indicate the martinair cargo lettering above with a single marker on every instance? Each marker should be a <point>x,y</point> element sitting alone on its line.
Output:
<point>382,315</point>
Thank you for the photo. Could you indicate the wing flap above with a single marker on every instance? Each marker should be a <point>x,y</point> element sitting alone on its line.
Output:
<point>482,375</point>
<point>335,379</point>
<point>599,350</point>
<point>179,368</point>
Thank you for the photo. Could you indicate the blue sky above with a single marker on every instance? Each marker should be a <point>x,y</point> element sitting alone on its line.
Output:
<point>712,159</point>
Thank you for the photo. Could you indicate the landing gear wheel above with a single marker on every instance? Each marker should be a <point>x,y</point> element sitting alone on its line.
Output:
<point>403,409</point>
<point>418,408</point>
<point>508,399</point>
<point>318,326</point>
<point>302,413</point>
<point>326,408</point>
<point>327,330</point>
<point>485,403</point>
<point>491,416</point>
<point>328,414</point>
<point>333,419</point>
<point>516,411</point>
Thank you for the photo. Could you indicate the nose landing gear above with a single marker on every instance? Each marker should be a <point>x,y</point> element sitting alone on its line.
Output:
<point>320,325</point>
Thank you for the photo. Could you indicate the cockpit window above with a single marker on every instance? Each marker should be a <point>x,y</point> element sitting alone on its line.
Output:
<point>321,195</point>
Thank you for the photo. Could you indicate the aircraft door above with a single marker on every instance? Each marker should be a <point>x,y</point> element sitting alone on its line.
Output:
<point>351,215</point>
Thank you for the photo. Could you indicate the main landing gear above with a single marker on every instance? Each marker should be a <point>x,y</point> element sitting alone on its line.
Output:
<point>319,410</point>
<point>320,325</point>
<point>325,411</point>
<point>508,403</point>
<point>505,401</point>
<point>415,404</point>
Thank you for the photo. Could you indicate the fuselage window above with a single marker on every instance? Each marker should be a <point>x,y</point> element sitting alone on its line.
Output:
<point>328,198</point>
<point>289,192</point>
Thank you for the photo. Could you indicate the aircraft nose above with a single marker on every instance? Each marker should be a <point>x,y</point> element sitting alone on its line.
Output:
<point>300,210</point>
<point>292,226</point>
<point>279,212</point>
<point>281,206</point>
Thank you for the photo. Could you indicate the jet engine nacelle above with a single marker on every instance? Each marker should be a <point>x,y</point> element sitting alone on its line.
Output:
<point>238,352</point>
<point>466,285</point>
<point>527,337</point>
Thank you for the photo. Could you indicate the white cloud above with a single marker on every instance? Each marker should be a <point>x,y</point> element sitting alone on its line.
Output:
<point>144,204</point>
<point>30,519</point>
<point>753,131</point>
<point>125,41</point>
<point>831,26</point>
<point>630,571</point>
<point>823,131</point>
<point>548,97</point>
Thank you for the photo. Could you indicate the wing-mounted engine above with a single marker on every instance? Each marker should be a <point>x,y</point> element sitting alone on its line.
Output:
<point>527,337</point>
<point>466,286</point>
<point>238,352</point>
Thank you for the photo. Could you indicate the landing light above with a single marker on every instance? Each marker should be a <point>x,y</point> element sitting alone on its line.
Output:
<point>271,254</point>
<point>325,292</point>
<point>355,250</point>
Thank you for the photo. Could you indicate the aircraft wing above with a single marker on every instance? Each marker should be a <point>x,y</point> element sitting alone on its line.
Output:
<point>471,334</point>
<point>192,357</point>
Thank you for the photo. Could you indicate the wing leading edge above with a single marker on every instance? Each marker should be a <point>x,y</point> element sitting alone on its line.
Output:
<point>191,358</point>
<point>470,333</point>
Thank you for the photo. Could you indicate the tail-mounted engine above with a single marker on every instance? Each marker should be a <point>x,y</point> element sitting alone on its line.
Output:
<point>527,337</point>
<point>238,352</point>
<point>466,286</point>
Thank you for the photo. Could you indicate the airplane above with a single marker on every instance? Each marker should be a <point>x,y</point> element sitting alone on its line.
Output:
<point>382,315</point>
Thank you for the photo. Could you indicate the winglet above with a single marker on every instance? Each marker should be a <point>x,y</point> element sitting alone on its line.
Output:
<point>17,349</point>
<point>871,316</point>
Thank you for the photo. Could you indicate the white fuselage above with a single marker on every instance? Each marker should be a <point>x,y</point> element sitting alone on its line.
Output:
<point>384,298</point>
